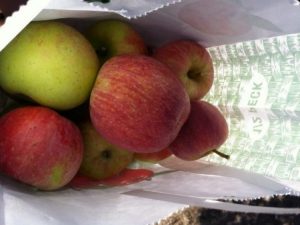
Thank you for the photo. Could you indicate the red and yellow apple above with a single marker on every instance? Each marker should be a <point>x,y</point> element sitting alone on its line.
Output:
<point>205,130</point>
<point>191,62</point>
<point>137,103</point>
<point>101,159</point>
<point>112,37</point>
<point>39,147</point>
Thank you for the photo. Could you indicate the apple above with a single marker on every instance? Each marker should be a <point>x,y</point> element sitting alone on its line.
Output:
<point>101,159</point>
<point>191,62</point>
<point>39,147</point>
<point>49,63</point>
<point>153,157</point>
<point>205,131</point>
<point>112,37</point>
<point>137,103</point>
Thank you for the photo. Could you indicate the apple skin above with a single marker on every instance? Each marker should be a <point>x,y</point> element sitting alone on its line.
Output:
<point>39,147</point>
<point>113,37</point>
<point>49,63</point>
<point>153,157</point>
<point>204,131</point>
<point>101,159</point>
<point>191,63</point>
<point>137,103</point>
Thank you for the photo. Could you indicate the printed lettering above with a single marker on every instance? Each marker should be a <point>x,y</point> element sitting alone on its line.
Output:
<point>257,124</point>
<point>257,86</point>
<point>255,94</point>
<point>252,102</point>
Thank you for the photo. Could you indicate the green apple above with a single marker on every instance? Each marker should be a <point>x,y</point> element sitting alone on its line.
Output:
<point>101,159</point>
<point>115,37</point>
<point>49,63</point>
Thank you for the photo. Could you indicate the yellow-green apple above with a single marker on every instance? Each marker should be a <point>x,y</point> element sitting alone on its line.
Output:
<point>137,103</point>
<point>205,130</point>
<point>101,159</point>
<point>113,37</point>
<point>39,147</point>
<point>49,63</point>
<point>191,62</point>
<point>153,157</point>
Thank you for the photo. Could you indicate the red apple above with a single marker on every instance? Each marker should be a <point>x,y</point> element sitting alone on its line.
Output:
<point>204,131</point>
<point>39,147</point>
<point>112,37</point>
<point>191,62</point>
<point>137,103</point>
<point>101,159</point>
<point>153,157</point>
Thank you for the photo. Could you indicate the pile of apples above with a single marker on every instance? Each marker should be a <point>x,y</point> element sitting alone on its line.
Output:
<point>90,103</point>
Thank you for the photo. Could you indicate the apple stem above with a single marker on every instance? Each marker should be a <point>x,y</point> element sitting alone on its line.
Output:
<point>221,154</point>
